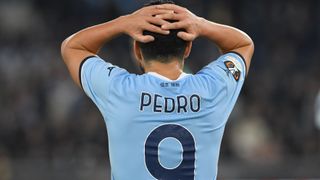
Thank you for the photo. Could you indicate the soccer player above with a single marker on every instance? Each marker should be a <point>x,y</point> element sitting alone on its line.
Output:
<point>164,124</point>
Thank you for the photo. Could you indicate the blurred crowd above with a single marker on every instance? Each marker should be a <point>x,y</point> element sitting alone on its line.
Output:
<point>46,120</point>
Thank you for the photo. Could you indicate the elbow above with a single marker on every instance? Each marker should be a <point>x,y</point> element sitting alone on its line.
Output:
<point>64,47</point>
<point>248,42</point>
<point>251,45</point>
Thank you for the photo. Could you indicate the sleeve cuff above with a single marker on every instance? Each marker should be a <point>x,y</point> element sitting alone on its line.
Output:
<point>80,68</point>
<point>243,60</point>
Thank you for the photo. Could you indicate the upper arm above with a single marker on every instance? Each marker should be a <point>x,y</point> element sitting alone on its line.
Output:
<point>97,77</point>
<point>73,58</point>
<point>246,52</point>
<point>227,72</point>
<point>224,78</point>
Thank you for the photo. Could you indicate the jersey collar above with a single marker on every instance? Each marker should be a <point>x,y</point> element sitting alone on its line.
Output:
<point>182,75</point>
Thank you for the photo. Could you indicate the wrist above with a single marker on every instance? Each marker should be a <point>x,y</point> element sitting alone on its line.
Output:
<point>122,23</point>
<point>204,28</point>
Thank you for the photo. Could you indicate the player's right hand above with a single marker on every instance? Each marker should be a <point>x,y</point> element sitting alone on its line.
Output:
<point>184,20</point>
<point>145,19</point>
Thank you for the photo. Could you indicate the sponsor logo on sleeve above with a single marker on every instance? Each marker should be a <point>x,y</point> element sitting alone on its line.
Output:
<point>110,70</point>
<point>234,67</point>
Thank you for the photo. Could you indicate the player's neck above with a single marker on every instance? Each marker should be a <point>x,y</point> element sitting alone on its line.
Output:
<point>170,70</point>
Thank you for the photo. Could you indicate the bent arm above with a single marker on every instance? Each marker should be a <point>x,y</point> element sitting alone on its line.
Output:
<point>228,39</point>
<point>89,41</point>
<point>86,43</point>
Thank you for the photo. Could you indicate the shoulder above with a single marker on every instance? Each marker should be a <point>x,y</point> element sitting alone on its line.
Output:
<point>227,64</point>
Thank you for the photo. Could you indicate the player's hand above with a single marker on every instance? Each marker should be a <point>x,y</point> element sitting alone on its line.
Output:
<point>145,19</point>
<point>185,20</point>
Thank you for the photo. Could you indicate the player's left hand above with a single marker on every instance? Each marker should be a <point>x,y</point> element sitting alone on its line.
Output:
<point>184,20</point>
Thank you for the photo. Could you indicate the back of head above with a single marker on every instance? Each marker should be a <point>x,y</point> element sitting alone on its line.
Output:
<point>164,48</point>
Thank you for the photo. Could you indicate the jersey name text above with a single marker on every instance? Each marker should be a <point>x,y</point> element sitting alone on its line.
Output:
<point>179,104</point>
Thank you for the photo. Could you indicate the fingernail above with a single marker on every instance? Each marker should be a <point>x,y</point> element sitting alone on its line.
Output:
<point>167,32</point>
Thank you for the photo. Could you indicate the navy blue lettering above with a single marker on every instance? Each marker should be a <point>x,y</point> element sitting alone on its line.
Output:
<point>185,171</point>
<point>166,105</point>
<point>156,106</point>
<point>182,105</point>
<point>195,99</point>
<point>158,103</point>
<point>145,100</point>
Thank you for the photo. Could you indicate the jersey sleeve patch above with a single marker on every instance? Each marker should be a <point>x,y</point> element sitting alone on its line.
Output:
<point>233,66</point>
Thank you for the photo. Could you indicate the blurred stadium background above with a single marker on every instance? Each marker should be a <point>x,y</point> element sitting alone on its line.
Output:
<point>49,129</point>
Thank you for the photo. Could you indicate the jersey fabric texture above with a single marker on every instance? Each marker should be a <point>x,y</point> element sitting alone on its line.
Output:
<point>164,129</point>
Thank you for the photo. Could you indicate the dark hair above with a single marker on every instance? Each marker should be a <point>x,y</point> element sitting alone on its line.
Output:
<point>164,48</point>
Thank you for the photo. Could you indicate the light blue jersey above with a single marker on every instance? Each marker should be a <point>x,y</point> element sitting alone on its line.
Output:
<point>164,129</point>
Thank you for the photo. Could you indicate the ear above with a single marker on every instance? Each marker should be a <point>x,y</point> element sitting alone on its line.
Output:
<point>137,52</point>
<point>188,50</point>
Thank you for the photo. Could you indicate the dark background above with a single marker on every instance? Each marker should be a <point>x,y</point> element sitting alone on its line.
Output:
<point>49,129</point>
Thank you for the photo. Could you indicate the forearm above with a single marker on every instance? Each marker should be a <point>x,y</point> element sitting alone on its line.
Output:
<point>227,38</point>
<point>93,38</point>
<point>87,43</point>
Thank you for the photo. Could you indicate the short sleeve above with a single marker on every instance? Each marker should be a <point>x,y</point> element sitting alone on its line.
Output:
<point>223,80</point>
<point>96,77</point>
<point>229,69</point>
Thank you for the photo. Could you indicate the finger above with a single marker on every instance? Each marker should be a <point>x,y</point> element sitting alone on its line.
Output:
<point>186,36</point>
<point>156,29</point>
<point>157,21</point>
<point>173,7</point>
<point>143,39</point>
<point>171,16</point>
<point>176,25</point>
<point>161,11</point>
<point>154,11</point>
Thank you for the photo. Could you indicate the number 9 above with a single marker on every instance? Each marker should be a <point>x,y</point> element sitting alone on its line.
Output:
<point>185,171</point>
